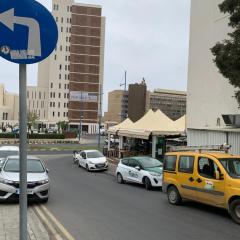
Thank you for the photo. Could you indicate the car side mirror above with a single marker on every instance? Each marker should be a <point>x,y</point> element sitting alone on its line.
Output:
<point>47,170</point>
<point>138,168</point>
<point>0,169</point>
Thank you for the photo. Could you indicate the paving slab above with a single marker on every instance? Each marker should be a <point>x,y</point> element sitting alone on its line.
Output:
<point>9,224</point>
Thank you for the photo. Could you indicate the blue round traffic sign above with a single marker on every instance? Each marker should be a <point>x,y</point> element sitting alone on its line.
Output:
<point>28,31</point>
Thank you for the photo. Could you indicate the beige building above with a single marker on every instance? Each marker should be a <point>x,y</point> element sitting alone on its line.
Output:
<point>170,102</point>
<point>70,81</point>
<point>117,106</point>
<point>9,107</point>
<point>209,94</point>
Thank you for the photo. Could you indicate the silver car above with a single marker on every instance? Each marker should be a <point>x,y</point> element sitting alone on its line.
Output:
<point>37,179</point>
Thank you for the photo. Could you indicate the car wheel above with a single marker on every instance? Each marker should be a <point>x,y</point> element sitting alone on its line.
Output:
<point>147,183</point>
<point>87,168</point>
<point>120,178</point>
<point>173,196</point>
<point>234,210</point>
<point>45,200</point>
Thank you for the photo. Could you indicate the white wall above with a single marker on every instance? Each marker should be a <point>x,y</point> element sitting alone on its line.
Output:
<point>209,94</point>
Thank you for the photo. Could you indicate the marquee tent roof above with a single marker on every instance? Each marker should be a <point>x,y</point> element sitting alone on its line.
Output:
<point>127,123</point>
<point>155,123</point>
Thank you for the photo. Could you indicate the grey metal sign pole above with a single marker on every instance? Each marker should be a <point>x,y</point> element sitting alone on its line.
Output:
<point>23,149</point>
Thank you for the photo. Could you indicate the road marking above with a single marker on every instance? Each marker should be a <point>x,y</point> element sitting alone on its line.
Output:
<point>47,223</point>
<point>63,230</point>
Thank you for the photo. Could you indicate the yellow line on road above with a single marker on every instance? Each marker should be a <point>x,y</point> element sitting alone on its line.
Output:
<point>63,230</point>
<point>46,222</point>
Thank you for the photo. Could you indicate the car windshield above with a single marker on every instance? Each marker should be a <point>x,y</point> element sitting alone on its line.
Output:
<point>4,153</point>
<point>148,162</point>
<point>232,166</point>
<point>95,154</point>
<point>33,166</point>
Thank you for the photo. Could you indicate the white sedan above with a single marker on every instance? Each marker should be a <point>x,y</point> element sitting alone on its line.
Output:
<point>92,160</point>
<point>143,170</point>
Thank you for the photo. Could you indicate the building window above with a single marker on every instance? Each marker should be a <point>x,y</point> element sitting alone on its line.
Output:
<point>61,29</point>
<point>5,116</point>
<point>56,19</point>
<point>58,114</point>
<point>51,85</point>
<point>53,104</point>
<point>53,114</point>
<point>50,94</point>
<point>61,48</point>
<point>65,76</point>
<point>66,67</point>
<point>59,85</point>
<point>60,76</point>
<point>64,114</point>
<point>59,95</point>
<point>59,104</point>
<point>68,8</point>
<point>60,67</point>
<point>54,95</point>
<point>50,104</point>
<point>40,95</point>
<point>62,20</point>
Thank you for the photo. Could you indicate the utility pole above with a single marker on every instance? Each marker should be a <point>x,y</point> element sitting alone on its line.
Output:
<point>123,115</point>
<point>100,116</point>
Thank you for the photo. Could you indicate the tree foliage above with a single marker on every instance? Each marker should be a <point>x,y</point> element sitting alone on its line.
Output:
<point>32,118</point>
<point>227,53</point>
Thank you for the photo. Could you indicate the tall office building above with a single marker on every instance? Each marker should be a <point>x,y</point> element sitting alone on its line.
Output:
<point>212,111</point>
<point>70,81</point>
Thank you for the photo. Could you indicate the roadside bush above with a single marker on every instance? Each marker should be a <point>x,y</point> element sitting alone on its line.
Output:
<point>34,136</point>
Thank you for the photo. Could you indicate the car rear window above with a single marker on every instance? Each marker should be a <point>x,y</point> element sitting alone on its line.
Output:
<point>170,163</point>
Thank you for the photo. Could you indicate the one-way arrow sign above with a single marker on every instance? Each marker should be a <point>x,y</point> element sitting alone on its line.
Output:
<point>29,32</point>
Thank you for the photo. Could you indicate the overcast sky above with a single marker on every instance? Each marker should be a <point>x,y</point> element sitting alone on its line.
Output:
<point>148,38</point>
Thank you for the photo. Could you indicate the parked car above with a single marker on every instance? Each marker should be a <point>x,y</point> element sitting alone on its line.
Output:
<point>143,170</point>
<point>207,177</point>
<point>92,160</point>
<point>6,151</point>
<point>37,179</point>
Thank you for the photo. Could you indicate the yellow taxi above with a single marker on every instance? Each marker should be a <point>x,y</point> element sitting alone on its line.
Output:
<point>208,177</point>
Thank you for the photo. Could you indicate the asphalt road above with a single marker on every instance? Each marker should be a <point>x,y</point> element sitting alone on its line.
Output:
<point>92,206</point>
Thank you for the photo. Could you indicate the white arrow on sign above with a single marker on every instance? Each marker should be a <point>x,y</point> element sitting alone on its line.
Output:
<point>34,42</point>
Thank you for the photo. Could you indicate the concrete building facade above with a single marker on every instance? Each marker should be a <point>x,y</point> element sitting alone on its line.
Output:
<point>170,102</point>
<point>209,94</point>
<point>117,106</point>
<point>9,107</point>
<point>72,77</point>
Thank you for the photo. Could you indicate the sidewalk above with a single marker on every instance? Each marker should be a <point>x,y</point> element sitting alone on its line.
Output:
<point>9,224</point>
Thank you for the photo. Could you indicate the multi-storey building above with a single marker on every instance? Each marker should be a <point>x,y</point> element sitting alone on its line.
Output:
<point>135,102</point>
<point>9,107</point>
<point>72,77</point>
<point>210,96</point>
<point>117,106</point>
<point>170,102</point>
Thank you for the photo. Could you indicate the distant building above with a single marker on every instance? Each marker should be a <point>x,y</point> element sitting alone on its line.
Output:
<point>135,102</point>
<point>170,102</point>
<point>137,96</point>
<point>117,106</point>
<point>71,79</point>
<point>9,107</point>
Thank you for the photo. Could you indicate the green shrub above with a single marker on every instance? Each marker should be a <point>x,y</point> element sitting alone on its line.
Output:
<point>34,136</point>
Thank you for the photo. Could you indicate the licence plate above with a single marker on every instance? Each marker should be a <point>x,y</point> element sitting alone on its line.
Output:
<point>30,192</point>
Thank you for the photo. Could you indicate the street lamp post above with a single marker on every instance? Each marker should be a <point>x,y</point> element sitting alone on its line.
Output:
<point>80,127</point>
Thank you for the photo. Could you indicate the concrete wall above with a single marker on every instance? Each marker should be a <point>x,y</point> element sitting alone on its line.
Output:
<point>209,94</point>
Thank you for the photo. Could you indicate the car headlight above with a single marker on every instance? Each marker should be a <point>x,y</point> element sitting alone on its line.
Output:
<point>106,163</point>
<point>91,162</point>
<point>155,174</point>
<point>5,181</point>
<point>43,181</point>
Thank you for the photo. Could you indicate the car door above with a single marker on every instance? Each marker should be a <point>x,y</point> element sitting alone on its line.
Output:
<point>186,176</point>
<point>124,168</point>
<point>209,189</point>
<point>133,174</point>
